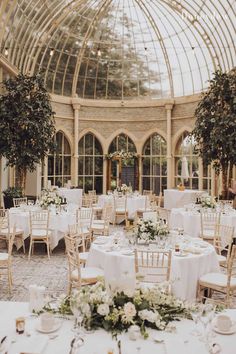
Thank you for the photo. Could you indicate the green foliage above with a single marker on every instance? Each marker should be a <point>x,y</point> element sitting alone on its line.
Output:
<point>215,127</point>
<point>26,122</point>
<point>13,192</point>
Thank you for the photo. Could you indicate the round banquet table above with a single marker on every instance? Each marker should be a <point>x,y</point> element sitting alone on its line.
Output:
<point>100,341</point>
<point>134,202</point>
<point>185,271</point>
<point>190,221</point>
<point>58,223</point>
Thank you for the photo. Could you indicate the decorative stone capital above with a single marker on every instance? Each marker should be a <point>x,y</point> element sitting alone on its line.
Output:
<point>76,106</point>
<point>169,107</point>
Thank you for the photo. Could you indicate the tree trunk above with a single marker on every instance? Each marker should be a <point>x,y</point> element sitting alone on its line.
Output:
<point>22,178</point>
<point>224,181</point>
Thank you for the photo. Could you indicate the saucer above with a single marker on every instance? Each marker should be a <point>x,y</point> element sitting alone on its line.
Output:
<point>127,253</point>
<point>232,329</point>
<point>55,327</point>
<point>100,241</point>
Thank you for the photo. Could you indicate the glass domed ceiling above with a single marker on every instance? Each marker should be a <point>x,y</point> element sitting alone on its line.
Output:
<point>120,49</point>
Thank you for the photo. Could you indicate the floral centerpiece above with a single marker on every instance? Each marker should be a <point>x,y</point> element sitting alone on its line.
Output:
<point>149,230</point>
<point>50,198</point>
<point>116,312</point>
<point>208,202</point>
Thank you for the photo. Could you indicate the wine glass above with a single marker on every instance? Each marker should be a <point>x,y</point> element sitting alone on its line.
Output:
<point>208,312</point>
<point>196,312</point>
<point>76,310</point>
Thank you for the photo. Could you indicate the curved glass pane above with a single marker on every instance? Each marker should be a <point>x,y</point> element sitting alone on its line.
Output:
<point>120,49</point>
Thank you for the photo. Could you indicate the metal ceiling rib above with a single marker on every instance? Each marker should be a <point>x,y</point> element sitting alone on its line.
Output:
<point>185,41</point>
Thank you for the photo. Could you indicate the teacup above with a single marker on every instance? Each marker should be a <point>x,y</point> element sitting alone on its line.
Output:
<point>47,321</point>
<point>223,323</point>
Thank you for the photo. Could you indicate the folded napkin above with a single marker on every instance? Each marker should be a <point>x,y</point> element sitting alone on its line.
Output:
<point>29,345</point>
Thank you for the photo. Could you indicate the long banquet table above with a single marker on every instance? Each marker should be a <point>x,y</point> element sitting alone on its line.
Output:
<point>100,342</point>
<point>173,198</point>
<point>118,265</point>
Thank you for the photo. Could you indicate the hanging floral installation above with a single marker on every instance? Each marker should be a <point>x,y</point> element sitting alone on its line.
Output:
<point>124,155</point>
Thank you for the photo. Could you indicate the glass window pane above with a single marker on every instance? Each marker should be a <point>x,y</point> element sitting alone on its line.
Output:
<point>98,184</point>
<point>156,166</point>
<point>98,164</point>
<point>156,145</point>
<point>81,146</point>
<point>50,165</point>
<point>88,184</point>
<point>81,165</point>
<point>146,166</point>
<point>88,165</point>
<point>59,165</point>
<point>97,147</point>
<point>66,147</point>
<point>88,144</point>
<point>67,160</point>
<point>59,143</point>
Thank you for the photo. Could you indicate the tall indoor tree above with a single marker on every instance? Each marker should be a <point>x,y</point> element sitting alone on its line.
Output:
<point>215,127</point>
<point>26,123</point>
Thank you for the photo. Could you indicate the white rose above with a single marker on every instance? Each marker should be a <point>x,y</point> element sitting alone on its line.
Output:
<point>129,310</point>
<point>103,310</point>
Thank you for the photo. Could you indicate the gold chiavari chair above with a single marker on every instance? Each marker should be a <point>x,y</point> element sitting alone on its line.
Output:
<point>221,283</point>
<point>78,275</point>
<point>120,208</point>
<point>152,266</point>
<point>39,230</point>
<point>75,231</point>
<point>17,202</point>
<point>223,241</point>
<point>6,229</point>
<point>6,259</point>
<point>209,221</point>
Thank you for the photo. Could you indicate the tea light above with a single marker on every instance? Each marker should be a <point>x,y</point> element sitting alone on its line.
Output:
<point>20,325</point>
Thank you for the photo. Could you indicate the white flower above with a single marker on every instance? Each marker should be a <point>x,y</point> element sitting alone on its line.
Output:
<point>103,309</point>
<point>129,311</point>
<point>149,316</point>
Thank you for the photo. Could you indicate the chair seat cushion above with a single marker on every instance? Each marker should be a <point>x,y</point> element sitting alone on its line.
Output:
<point>83,256</point>
<point>121,210</point>
<point>88,274</point>
<point>221,258</point>
<point>218,279</point>
<point>17,231</point>
<point>208,234</point>
<point>40,233</point>
<point>4,256</point>
<point>98,226</point>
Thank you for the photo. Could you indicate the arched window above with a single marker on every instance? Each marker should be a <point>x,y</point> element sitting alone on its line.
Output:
<point>185,148</point>
<point>90,164</point>
<point>123,170</point>
<point>154,164</point>
<point>122,142</point>
<point>59,162</point>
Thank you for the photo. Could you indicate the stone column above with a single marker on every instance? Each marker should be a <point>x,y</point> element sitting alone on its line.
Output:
<point>200,174</point>
<point>76,141</point>
<point>168,108</point>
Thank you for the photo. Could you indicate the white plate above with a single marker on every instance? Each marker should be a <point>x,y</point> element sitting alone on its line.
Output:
<point>100,241</point>
<point>232,330</point>
<point>127,253</point>
<point>56,326</point>
<point>179,254</point>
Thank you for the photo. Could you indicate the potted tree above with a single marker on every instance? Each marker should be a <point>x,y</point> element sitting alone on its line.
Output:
<point>26,123</point>
<point>215,126</point>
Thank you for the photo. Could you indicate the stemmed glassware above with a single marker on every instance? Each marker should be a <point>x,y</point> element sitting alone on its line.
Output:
<point>196,312</point>
<point>76,310</point>
<point>207,315</point>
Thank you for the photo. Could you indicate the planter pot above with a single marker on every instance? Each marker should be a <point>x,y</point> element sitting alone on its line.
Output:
<point>8,202</point>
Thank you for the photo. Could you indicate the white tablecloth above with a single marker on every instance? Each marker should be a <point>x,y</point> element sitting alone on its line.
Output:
<point>134,203</point>
<point>58,224</point>
<point>185,271</point>
<point>174,198</point>
<point>191,223</point>
<point>180,342</point>
<point>73,196</point>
